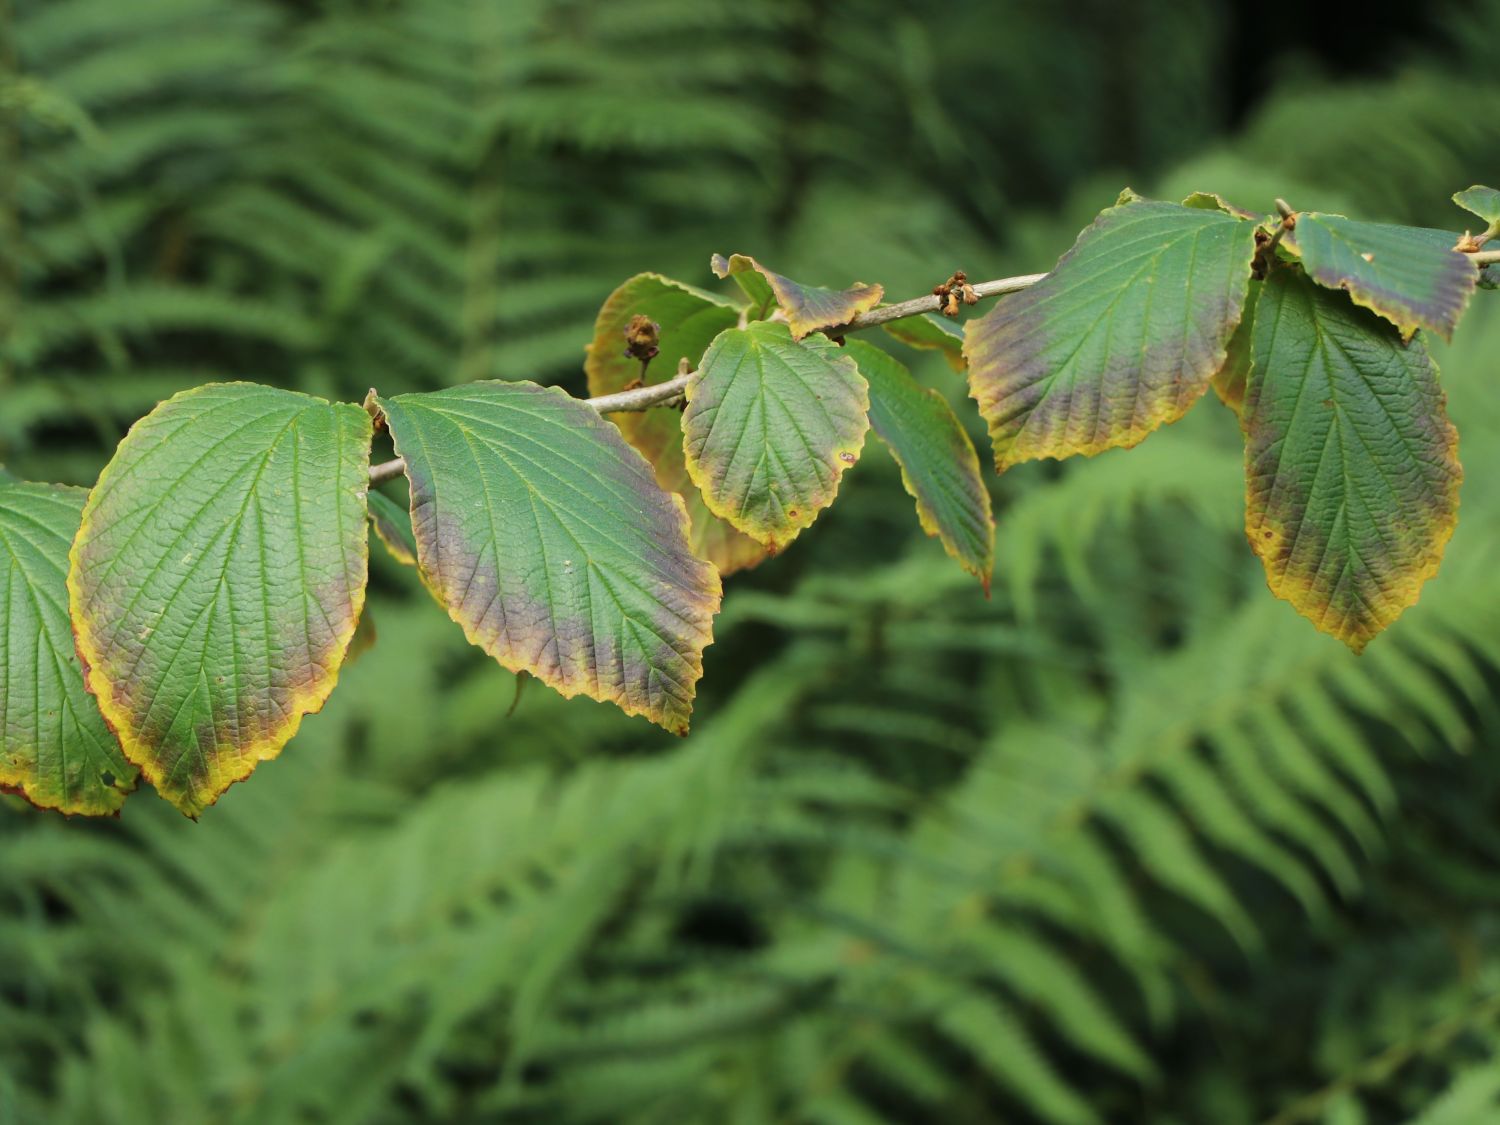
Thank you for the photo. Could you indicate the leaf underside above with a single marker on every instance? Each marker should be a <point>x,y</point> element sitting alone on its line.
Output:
<point>1120,338</point>
<point>55,749</point>
<point>547,538</point>
<point>392,526</point>
<point>1412,276</point>
<point>688,320</point>
<point>1229,380</point>
<point>938,464</point>
<point>1352,474</point>
<point>218,577</point>
<point>771,425</point>
<point>808,308</point>
<point>931,333</point>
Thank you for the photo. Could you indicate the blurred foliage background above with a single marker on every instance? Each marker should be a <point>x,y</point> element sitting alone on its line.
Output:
<point>1128,842</point>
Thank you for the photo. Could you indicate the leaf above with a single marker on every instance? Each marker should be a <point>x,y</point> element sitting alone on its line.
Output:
<point>547,538</point>
<point>1213,201</point>
<point>808,308</point>
<point>218,577</point>
<point>938,464</point>
<point>392,526</point>
<point>55,749</point>
<point>1351,469</point>
<point>1229,380</point>
<point>1482,201</point>
<point>1122,337</point>
<point>770,427</point>
<point>930,333</point>
<point>1412,276</point>
<point>688,319</point>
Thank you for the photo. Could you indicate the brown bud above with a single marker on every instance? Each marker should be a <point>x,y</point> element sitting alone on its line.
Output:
<point>642,338</point>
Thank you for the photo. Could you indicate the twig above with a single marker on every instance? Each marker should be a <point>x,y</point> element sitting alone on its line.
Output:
<point>662,394</point>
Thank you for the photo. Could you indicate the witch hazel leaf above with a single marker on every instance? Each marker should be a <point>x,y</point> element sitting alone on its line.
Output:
<point>686,320</point>
<point>1482,201</point>
<point>930,333</point>
<point>55,749</point>
<point>392,525</point>
<point>1213,201</point>
<point>546,537</point>
<point>1351,465</point>
<point>218,577</point>
<point>1121,337</point>
<point>1412,276</point>
<point>1229,380</point>
<point>938,464</point>
<point>808,308</point>
<point>770,427</point>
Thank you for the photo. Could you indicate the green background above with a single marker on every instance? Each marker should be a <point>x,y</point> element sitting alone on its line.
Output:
<point>1128,842</point>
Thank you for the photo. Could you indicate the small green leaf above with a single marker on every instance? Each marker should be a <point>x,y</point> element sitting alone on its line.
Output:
<point>392,527</point>
<point>1412,276</point>
<point>1350,462</point>
<point>770,427</point>
<point>688,319</point>
<point>1212,201</point>
<point>808,308</point>
<point>931,333</point>
<point>218,577</point>
<point>751,282</point>
<point>1229,380</point>
<point>54,747</point>
<point>547,538</point>
<point>1121,337</point>
<point>1482,201</point>
<point>938,464</point>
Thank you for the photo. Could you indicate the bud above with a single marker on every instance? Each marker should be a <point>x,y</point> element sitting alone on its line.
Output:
<point>642,338</point>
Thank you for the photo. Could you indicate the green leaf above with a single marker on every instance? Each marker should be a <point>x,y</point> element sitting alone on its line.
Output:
<point>1229,380</point>
<point>1351,468</point>
<point>1212,201</point>
<point>1412,276</point>
<point>770,427</point>
<point>751,282</point>
<point>808,308</point>
<point>548,539</point>
<point>687,320</point>
<point>931,333</point>
<point>1482,201</point>
<point>938,464</point>
<point>54,747</point>
<point>1122,337</point>
<point>392,526</point>
<point>218,577</point>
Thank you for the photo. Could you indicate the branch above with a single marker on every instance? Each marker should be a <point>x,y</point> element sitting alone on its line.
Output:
<point>661,394</point>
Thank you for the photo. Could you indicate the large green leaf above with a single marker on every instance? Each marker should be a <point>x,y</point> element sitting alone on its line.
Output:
<point>54,747</point>
<point>771,425</point>
<point>807,307</point>
<point>938,464</point>
<point>218,577</point>
<point>548,539</point>
<point>1123,336</point>
<point>687,319</point>
<point>1351,469</point>
<point>1412,276</point>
